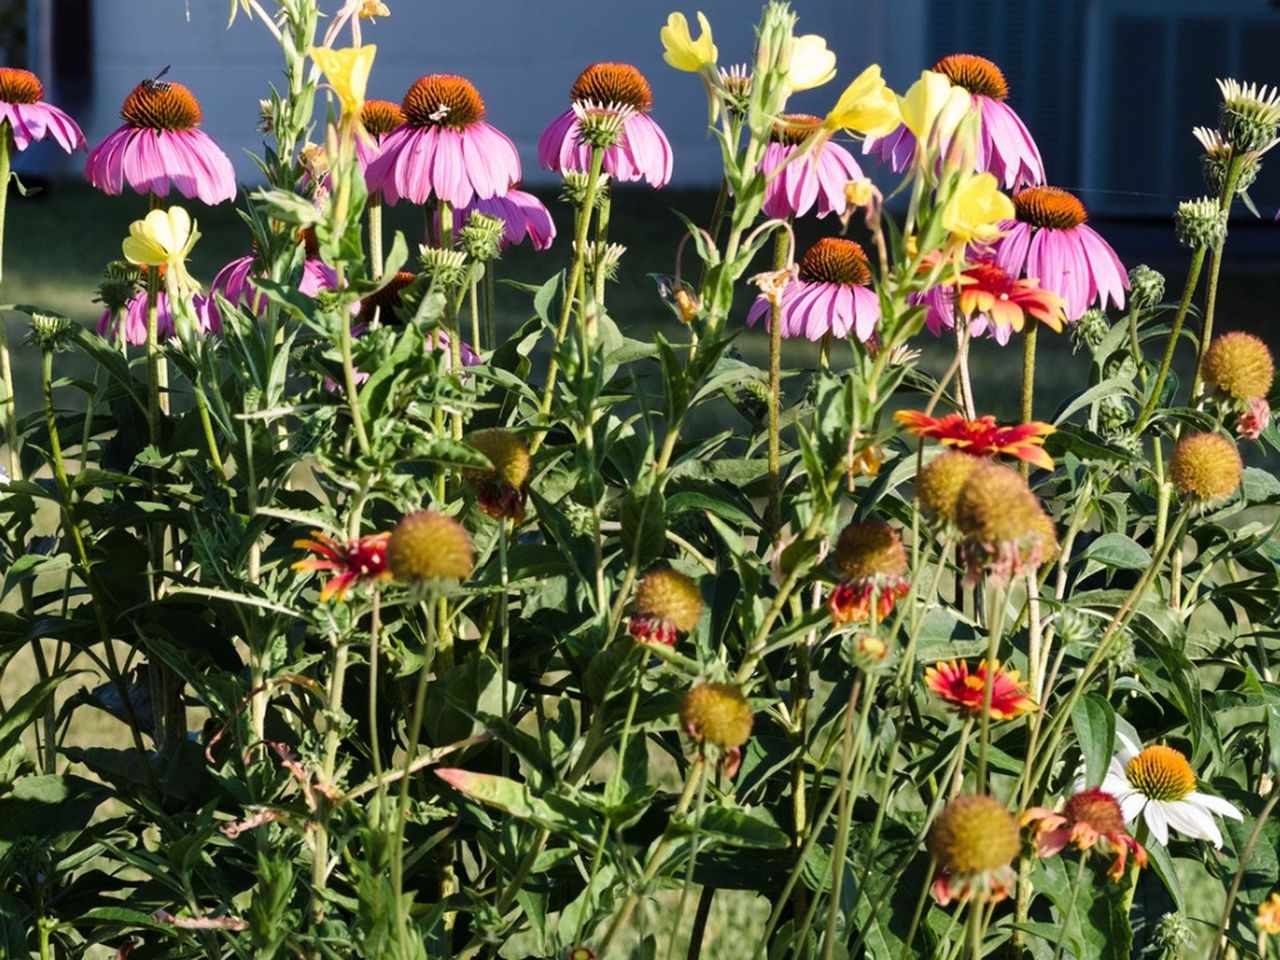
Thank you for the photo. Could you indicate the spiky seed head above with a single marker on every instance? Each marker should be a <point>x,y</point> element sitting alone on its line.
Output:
<point>667,594</point>
<point>974,833</point>
<point>939,484</point>
<point>869,548</point>
<point>429,546</point>
<point>1205,467</point>
<point>716,713</point>
<point>1239,366</point>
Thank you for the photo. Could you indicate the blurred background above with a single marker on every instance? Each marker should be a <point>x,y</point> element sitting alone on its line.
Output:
<point>1109,88</point>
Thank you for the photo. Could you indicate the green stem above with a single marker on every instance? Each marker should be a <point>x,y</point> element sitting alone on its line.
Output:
<point>474,299</point>
<point>376,264</point>
<point>332,736</point>
<point>450,318</point>
<point>1069,915</point>
<point>1028,378</point>
<point>349,379</point>
<point>694,842</point>
<point>773,522</point>
<point>402,802</point>
<point>995,616</point>
<point>570,288</point>
<point>1215,268</point>
<point>490,328</point>
<point>1188,292</point>
<point>620,919</point>
<point>10,399</point>
<point>375,632</point>
<point>1246,854</point>
<point>206,424</point>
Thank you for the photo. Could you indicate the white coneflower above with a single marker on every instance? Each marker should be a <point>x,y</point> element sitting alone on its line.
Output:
<point>1158,785</point>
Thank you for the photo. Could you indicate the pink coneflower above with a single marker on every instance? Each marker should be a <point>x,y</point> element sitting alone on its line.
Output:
<point>31,119</point>
<point>380,119</point>
<point>523,213</point>
<point>818,178</point>
<point>235,281</point>
<point>994,302</point>
<point>160,146</point>
<point>1050,240</point>
<point>1005,147</point>
<point>135,322</point>
<point>831,295</point>
<point>643,151</point>
<point>445,150</point>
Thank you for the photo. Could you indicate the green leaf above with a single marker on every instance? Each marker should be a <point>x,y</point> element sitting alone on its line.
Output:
<point>20,713</point>
<point>1119,551</point>
<point>742,827</point>
<point>1094,723</point>
<point>31,565</point>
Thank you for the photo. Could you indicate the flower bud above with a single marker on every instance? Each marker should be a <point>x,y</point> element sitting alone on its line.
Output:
<point>1201,224</point>
<point>1146,286</point>
<point>1089,331</point>
<point>481,236</point>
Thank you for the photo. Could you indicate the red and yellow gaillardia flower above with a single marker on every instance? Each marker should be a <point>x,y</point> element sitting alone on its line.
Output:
<point>982,437</point>
<point>353,563</point>
<point>965,692</point>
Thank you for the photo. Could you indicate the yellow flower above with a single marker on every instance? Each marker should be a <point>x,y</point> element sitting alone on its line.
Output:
<point>682,51</point>
<point>867,106</point>
<point>932,108</point>
<point>374,8</point>
<point>1269,915</point>
<point>812,64</point>
<point>347,71</point>
<point>164,239</point>
<point>975,210</point>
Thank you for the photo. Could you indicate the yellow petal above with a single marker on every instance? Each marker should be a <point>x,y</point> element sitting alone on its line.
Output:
<point>347,72</point>
<point>922,103</point>
<point>975,210</point>
<point>867,106</point>
<point>681,50</point>
<point>812,64</point>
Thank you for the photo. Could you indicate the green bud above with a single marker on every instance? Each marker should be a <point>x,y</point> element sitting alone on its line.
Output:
<point>1146,286</point>
<point>1201,224</point>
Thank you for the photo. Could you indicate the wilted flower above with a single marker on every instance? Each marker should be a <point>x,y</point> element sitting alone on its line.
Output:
<point>718,714</point>
<point>1158,784</point>
<point>1205,467</point>
<point>353,563</point>
<point>681,51</point>
<point>502,490</point>
<point>974,841</point>
<point>981,437</point>
<point>161,146</point>
<point>1090,818</point>
<point>1254,420</point>
<point>374,8</point>
<point>427,546</point>
<point>966,692</point>
<point>666,603</point>
<point>1005,529</point>
<point>939,483</point>
<point>870,563</point>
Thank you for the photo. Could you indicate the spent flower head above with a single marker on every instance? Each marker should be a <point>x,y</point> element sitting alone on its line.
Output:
<point>501,491</point>
<point>1205,467</point>
<point>428,546</point>
<point>1239,366</point>
<point>666,603</point>
<point>974,840</point>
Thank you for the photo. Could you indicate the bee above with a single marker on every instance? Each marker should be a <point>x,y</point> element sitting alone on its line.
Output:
<point>156,84</point>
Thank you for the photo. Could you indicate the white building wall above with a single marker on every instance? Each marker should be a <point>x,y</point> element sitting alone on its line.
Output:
<point>521,54</point>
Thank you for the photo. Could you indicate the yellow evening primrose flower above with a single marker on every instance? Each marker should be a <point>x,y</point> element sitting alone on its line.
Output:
<point>867,106</point>
<point>932,108</point>
<point>164,238</point>
<point>681,50</point>
<point>974,212</point>
<point>347,72</point>
<point>374,8</point>
<point>812,64</point>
